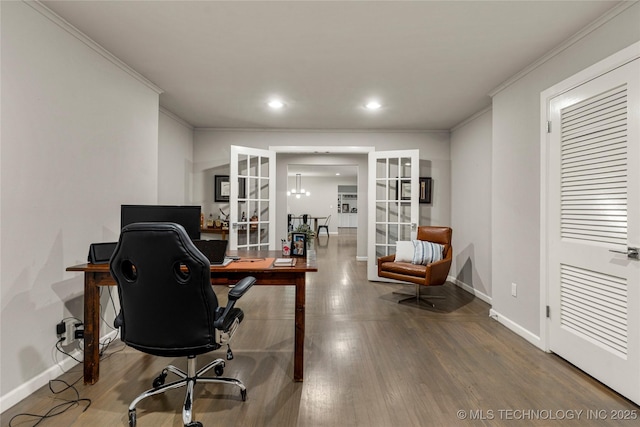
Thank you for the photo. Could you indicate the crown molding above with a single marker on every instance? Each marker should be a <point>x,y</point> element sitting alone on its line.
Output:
<point>178,119</point>
<point>65,25</point>
<point>612,13</point>
<point>471,118</point>
<point>303,130</point>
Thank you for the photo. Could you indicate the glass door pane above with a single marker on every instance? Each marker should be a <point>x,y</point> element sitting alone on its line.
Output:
<point>393,203</point>
<point>252,225</point>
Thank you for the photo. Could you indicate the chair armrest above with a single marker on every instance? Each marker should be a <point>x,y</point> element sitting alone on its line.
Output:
<point>438,271</point>
<point>241,288</point>
<point>387,258</point>
<point>238,290</point>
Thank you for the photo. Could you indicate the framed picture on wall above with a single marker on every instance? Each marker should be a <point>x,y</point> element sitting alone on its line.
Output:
<point>425,190</point>
<point>403,190</point>
<point>223,188</point>
<point>298,244</point>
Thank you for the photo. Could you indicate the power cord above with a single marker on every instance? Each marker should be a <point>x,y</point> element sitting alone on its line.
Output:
<point>68,404</point>
<point>61,350</point>
<point>104,346</point>
<point>60,408</point>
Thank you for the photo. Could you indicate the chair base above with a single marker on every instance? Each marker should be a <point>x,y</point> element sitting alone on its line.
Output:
<point>321,227</point>
<point>417,297</point>
<point>188,379</point>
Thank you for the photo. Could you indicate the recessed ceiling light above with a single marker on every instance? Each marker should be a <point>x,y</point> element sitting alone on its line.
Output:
<point>372,105</point>
<point>337,173</point>
<point>276,104</point>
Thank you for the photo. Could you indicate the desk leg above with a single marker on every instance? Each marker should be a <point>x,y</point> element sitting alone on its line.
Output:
<point>298,357</point>
<point>91,328</point>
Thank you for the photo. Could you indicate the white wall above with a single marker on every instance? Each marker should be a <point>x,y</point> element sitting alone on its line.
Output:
<point>79,137</point>
<point>175,160</point>
<point>471,204</point>
<point>515,162</point>
<point>211,152</point>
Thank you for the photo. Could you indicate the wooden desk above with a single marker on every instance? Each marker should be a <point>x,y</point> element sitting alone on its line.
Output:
<point>96,275</point>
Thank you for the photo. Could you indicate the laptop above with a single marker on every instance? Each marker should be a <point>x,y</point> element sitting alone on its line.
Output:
<point>215,250</point>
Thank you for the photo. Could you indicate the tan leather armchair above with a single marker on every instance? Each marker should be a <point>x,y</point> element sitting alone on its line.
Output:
<point>434,274</point>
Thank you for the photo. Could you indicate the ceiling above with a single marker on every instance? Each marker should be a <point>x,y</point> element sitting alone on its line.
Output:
<point>329,170</point>
<point>431,64</point>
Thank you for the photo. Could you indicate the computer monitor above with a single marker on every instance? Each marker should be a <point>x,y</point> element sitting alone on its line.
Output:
<point>186,216</point>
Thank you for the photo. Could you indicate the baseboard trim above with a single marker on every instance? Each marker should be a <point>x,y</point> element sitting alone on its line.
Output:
<point>482,296</point>
<point>26,389</point>
<point>514,327</point>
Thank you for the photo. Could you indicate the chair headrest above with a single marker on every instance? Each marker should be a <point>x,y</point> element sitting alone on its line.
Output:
<point>433,234</point>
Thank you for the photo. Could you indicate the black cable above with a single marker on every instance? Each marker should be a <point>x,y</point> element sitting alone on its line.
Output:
<point>112,303</point>
<point>61,350</point>
<point>60,408</point>
<point>105,345</point>
<point>68,404</point>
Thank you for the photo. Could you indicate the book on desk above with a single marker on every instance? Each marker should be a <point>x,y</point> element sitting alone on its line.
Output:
<point>284,262</point>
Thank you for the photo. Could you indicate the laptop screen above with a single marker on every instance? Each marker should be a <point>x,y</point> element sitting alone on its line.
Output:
<point>214,250</point>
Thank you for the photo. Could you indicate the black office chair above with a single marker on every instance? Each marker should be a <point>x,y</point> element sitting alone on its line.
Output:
<point>168,307</point>
<point>324,226</point>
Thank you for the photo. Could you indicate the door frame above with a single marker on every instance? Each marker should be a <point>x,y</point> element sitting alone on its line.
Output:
<point>608,64</point>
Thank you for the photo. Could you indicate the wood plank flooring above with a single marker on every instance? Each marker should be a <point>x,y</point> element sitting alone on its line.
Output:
<point>369,361</point>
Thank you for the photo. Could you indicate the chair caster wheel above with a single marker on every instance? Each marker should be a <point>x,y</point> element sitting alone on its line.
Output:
<point>243,394</point>
<point>132,418</point>
<point>218,370</point>
<point>194,424</point>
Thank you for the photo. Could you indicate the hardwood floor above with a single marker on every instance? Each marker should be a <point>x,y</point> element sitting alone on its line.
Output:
<point>369,361</point>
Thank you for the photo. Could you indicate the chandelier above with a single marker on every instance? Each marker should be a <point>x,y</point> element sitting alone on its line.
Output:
<point>298,191</point>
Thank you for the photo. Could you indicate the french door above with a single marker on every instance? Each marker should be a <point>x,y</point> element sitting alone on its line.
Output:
<point>253,190</point>
<point>593,226</point>
<point>393,203</point>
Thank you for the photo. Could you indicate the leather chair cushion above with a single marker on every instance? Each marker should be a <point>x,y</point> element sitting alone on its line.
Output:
<point>405,268</point>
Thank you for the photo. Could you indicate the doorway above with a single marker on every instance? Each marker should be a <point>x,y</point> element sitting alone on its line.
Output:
<point>309,162</point>
<point>322,197</point>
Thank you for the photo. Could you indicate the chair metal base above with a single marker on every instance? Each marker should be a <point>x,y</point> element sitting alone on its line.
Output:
<point>417,297</point>
<point>188,379</point>
<point>320,227</point>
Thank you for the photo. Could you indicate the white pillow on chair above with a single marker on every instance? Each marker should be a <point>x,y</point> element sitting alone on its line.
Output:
<point>404,251</point>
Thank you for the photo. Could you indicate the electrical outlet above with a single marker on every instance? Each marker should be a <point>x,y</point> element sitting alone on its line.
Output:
<point>65,329</point>
<point>514,290</point>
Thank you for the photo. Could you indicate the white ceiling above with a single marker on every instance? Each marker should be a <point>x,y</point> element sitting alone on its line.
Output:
<point>323,171</point>
<point>432,64</point>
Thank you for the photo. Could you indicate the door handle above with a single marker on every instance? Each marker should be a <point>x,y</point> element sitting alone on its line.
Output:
<point>631,253</point>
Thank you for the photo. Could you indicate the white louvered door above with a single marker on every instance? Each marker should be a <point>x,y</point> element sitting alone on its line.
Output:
<point>593,210</point>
